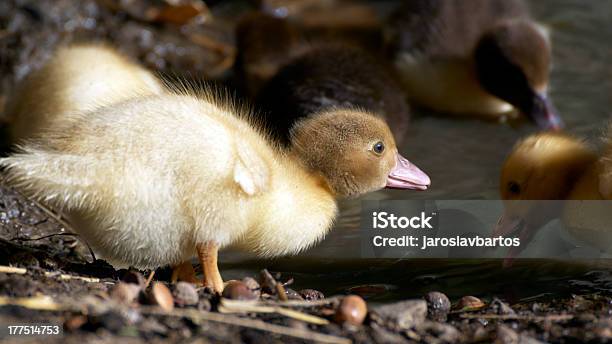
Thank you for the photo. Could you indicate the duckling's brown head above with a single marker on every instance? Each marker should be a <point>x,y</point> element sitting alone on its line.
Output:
<point>513,62</point>
<point>355,152</point>
<point>540,168</point>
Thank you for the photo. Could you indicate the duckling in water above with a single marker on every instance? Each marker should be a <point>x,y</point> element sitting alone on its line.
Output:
<point>302,80</point>
<point>76,79</point>
<point>330,78</point>
<point>555,166</point>
<point>478,57</point>
<point>157,179</point>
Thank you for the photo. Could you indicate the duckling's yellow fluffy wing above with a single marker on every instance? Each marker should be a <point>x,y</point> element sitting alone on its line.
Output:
<point>250,171</point>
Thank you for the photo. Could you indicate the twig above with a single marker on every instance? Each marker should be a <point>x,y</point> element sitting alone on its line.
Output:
<point>305,334</point>
<point>299,303</point>
<point>46,303</point>
<point>282,294</point>
<point>149,279</point>
<point>233,306</point>
<point>40,302</point>
<point>550,317</point>
<point>21,271</point>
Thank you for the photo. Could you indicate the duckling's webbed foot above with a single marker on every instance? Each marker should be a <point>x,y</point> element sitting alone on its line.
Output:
<point>184,272</point>
<point>207,253</point>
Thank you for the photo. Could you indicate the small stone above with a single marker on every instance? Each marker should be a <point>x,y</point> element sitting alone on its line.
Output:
<point>352,310</point>
<point>401,315</point>
<point>438,305</point>
<point>185,294</point>
<point>500,307</point>
<point>444,333</point>
<point>253,285</point>
<point>293,295</point>
<point>311,294</point>
<point>238,290</point>
<point>506,335</point>
<point>161,296</point>
<point>470,303</point>
<point>125,293</point>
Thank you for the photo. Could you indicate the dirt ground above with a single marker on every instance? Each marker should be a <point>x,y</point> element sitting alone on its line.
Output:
<point>49,276</point>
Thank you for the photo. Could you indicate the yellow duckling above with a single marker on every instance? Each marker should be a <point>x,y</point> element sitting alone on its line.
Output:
<point>477,57</point>
<point>555,166</point>
<point>157,179</point>
<point>76,79</point>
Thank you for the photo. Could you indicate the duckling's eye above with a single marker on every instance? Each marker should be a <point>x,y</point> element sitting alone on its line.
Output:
<point>378,147</point>
<point>514,188</point>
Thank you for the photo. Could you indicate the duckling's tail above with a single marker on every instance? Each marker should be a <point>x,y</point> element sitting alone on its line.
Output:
<point>65,181</point>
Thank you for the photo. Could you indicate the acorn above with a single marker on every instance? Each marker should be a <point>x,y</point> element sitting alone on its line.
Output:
<point>161,296</point>
<point>352,310</point>
<point>238,290</point>
<point>469,303</point>
<point>125,293</point>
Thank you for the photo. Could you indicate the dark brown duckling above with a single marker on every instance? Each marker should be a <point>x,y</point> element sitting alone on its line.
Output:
<point>478,57</point>
<point>332,76</point>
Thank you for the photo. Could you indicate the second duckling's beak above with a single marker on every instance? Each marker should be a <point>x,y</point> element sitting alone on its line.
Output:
<point>544,113</point>
<point>509,225</point>
<point>405,175</point>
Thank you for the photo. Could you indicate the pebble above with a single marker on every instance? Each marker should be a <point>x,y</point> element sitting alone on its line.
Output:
<point>438,305</point>
<point>185,294</point>
<point>352,310</point>
<point>161,296</point>
<point>401,315</point>
<point>253,285</point>
<point>293,295</point>
<point>499,307</point>
<point>311,294</point>
<point>238,290</point>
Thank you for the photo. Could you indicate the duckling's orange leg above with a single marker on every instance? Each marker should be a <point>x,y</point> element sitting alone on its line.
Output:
<point>207,252</point>
<point>183,272</point>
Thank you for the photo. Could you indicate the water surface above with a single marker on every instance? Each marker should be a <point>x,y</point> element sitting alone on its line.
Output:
<point>463,158</point>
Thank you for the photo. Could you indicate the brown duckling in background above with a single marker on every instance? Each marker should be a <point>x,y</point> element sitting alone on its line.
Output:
<point>76,79</point>
<point>329,77</point>
<point>479,57</point>
<point>313,78</point>
<point>157,179</point>
<point>265,43</point>
<point>555,166</point>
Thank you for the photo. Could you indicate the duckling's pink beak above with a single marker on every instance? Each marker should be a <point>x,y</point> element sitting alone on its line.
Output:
<point>405,175</point>
<point>508,226</point>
